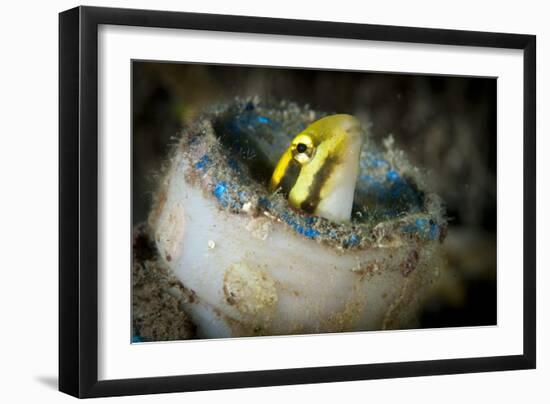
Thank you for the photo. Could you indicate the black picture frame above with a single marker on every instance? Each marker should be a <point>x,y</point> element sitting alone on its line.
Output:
<point>78,201</point>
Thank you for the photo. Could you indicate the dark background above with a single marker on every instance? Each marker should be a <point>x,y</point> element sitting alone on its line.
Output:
<point>446,125</point>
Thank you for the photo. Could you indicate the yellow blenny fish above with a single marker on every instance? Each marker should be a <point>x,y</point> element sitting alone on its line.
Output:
<point>326,155</point>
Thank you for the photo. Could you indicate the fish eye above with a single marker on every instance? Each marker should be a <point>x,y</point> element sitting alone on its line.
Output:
<point>302,149</point>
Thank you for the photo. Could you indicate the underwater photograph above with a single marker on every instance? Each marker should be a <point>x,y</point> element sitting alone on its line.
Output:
<point>272,201</point>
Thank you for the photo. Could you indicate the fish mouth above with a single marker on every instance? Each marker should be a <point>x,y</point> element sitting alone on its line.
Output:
<point>350,124</point>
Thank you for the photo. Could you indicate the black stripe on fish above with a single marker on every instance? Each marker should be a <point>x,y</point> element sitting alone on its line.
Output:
<point>321,176</point>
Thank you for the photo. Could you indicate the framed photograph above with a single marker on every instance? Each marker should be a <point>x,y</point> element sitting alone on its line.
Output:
<point>252,201</point>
